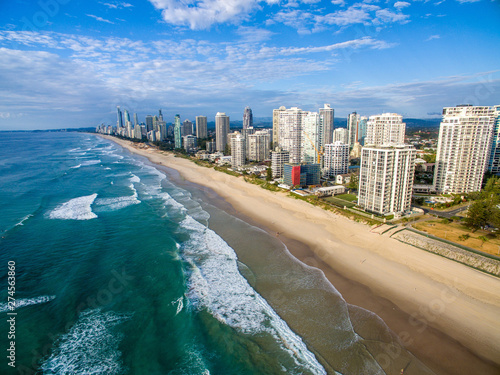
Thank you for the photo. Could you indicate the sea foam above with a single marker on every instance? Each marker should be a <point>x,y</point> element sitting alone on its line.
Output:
<point>216,284</point>
<point>23,302</point>
<point>75,209</point>
<point>90,346</point>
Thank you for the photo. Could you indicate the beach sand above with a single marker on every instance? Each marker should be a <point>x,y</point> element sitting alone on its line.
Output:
<point>445,313</point>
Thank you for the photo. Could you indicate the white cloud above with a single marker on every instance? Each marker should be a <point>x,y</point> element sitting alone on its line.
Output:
<point>338,2</point>
<point>254,34</point>
<point>387,16</point>
<point>118,5</point>
<point>204,13</point>
<point>433,37</point>
<point>401,4</point>
<point>100,19</point>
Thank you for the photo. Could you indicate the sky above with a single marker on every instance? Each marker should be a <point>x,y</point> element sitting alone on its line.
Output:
<point>69,63</point>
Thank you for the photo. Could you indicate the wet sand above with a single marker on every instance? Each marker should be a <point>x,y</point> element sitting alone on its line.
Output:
<point>444,312</point>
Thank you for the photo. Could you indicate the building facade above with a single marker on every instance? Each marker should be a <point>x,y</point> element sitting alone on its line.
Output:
<point>327,118</point>
<point>177,132</point>
<point>464,146</point>
<point>386,179</point>
<point>341,135</point>
<point>494,159</point>
<point>201,127</point>
<point>352,128</point>
<point>336,159</point>
<point>221,130</point>
<point>238,150</point>
<point>302,174</point>
<point>387,128</point>
<point>190,143</point>
<point>258,145</point>
<point>247,118</point>
<point>187,128</point>
<point>278,159</point>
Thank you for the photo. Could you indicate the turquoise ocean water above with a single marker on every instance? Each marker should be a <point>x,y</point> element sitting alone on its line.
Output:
<point>118,271</point>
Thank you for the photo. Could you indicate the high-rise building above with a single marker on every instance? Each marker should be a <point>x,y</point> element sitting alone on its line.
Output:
<point>189,142</point>
<point>494,159</point>
<point>276,124</point>
<point>127,117</point>
<point>211,147</point>
<point>386,178</point>
<point>136,119</point>
<point>336,159</point>
<point>352,128</point>
<point>341,135</point>
<point>119,122</point>
<point>177,132</point>
<point>278,159</point>
<point>311,137</point>
<point>201,127</point>
<point>149,123</point>
<point>302,133</point>
<point>464,145</point>
<point>326,117</point>
<point>258,145</point>
<point>238,152</point>
<point>187,128</point>
<point>160,115</point>
<point>387,128</point>
<point>363,120</point>
<point>221,130</point>
<point>247,118</point>
<point>288,125</point>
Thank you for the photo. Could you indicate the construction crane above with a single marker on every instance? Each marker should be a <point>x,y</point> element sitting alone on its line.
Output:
<point>319,152</point>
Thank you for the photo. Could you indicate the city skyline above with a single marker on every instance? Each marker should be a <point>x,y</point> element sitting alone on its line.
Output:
<point>68,65</point>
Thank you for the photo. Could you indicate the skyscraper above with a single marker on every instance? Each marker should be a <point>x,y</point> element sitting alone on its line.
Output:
<point>326,117</point>
<point>288,124</point>
<point>149,123</point>
<point>258,145</point>
<point>387,128</point>
<point>310,137</point>
<point>247,118</point>
<point>341,135</point>
<point>386,178</point>
<point>136,119</point>
<point>221,130</point>
<point>127,118</point>
<point>119,122</point>
<point>278,159</point>
<point>494,159</point>
<point>177,132</point>
<point>336,159</point>
<point>238,152</point>
<point>160,115</point>
<point>201,127</point>
<point>187,128</point>
<point>464,144</point>
<point>352,128</point>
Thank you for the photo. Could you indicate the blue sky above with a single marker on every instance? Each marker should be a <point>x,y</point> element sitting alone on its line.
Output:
<point>69,63</point>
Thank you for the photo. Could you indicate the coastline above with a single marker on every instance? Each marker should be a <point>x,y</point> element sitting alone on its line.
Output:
<point>444,312</point>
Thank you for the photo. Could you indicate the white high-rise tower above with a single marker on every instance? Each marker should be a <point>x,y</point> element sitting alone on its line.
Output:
<point>464,144</point>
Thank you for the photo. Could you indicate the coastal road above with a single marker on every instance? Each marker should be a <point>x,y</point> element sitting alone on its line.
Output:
<point>445,214</point>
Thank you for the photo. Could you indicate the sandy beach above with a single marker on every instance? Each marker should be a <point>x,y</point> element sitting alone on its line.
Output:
<point>447,314</point>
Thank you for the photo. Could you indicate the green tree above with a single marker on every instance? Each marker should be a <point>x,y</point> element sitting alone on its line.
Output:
<point>353,183</point>
<point>477,216</point>
<point>430,158</point>
<point>269,176</point>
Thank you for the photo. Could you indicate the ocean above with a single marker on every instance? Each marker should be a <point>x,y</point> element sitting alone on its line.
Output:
<point>121,269</point>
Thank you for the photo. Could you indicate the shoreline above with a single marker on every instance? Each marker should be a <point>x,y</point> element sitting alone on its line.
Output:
<point>444,312</point>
